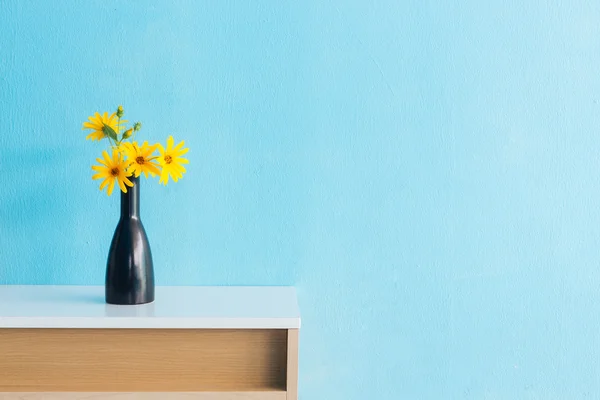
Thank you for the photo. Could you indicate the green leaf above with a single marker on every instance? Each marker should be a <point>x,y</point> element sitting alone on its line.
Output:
<point>110,132</point>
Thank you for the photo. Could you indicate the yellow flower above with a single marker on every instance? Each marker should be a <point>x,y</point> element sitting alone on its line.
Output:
<point>140,159</point>
<point>170,160</point>
<point>112,170</point>
<point>97,123</point>
<point>127,133</point>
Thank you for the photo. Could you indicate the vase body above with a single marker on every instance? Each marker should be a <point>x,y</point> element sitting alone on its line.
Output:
<point>129,270</point>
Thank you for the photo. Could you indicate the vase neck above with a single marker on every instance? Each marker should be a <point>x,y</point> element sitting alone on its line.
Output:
<point>130,201</point>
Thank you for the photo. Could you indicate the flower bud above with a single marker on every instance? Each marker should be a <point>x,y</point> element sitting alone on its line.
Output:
<point>137,126</point>
<point>120,111</point>
<point>127,133</point>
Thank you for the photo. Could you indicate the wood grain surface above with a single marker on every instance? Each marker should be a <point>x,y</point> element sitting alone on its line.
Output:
<point>144,360</point>
<point>146,396</point>
<point>292,365</point>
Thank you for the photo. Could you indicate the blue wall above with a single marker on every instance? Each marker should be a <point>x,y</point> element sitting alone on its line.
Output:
<point>427,174</point>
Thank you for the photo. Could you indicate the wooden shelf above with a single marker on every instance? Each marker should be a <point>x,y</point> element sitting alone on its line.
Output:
<point>146,396</point>
<point>201,342</point>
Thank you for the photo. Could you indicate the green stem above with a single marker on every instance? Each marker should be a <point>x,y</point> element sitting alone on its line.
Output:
<point>119,128</point>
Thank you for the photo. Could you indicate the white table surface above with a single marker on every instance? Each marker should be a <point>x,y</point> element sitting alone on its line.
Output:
<point>175,307</point>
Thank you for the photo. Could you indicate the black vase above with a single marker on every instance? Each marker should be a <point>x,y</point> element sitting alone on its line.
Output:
<point>129,271</point>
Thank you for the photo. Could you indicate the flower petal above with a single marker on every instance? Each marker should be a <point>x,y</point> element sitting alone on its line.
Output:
<point>104,183</point>
<point>164,177</point>
<point>111,186</point>
<point>182,152</point>
<point>122,186</point>
<point>179,146</point>
<point>152,168</point>
<point>87,125</point>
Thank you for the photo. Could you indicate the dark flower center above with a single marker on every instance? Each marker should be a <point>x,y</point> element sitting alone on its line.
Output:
<point>140,160</point>
<point>114,171</point>
<point>168,159</point>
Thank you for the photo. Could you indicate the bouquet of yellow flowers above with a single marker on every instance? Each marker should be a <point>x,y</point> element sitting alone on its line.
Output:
<point>128,157</point>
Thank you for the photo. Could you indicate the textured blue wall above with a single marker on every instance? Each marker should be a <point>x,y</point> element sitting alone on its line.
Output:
<point>427,174</point>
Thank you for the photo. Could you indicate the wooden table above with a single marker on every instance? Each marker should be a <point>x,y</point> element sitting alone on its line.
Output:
<point>205,343</point>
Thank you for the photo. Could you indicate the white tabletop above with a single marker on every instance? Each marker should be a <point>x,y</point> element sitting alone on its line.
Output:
<point>175,307</point>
